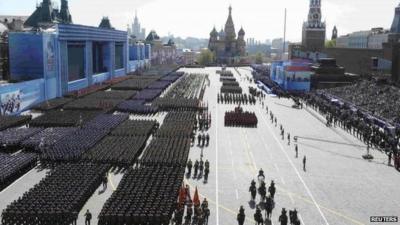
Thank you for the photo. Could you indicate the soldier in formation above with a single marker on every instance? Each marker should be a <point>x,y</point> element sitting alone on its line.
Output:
<point>189,167</point>
<point>241,216</point>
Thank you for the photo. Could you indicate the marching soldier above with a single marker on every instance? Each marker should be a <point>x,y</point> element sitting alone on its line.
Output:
<point>293,217</point>
<point>193,137</point>
<point>241,216</point>
<point>207,139</point>
<point>206,215</point>
<point>207,164</point>
<point>206,172</point>
<point>88,217</point>
<point>189,166</point>
<point>262,190</point>
<point>272,189</point>
<point>201,167</point>
<point>203,140</point>
<point>269,206</point>
<point>189,213</point>
<point>105,181</point>
<point>178,216</point>
<point>199,139</point>
<point>196,168</point>
<point>296,149</point>
<point>204,204</point>
<point>253,190</point>
<point>258,216</point>
<point>283,219</point>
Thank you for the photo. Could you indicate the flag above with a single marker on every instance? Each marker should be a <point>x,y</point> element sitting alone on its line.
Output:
<point>182,196</point>
<point>196,199</point>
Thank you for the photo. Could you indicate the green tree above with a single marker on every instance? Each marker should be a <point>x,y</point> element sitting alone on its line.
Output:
<point>259,58</point>
<point>330,44</point>
<point>206,57</point>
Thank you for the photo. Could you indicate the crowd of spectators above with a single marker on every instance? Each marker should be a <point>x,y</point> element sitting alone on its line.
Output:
<point>380,99</point>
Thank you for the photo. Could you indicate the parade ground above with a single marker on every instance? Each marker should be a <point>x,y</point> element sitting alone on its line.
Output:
<point>338,187</point>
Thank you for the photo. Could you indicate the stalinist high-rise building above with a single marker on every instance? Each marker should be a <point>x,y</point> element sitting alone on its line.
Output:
<point>314,30</point>
<point>137,30</point>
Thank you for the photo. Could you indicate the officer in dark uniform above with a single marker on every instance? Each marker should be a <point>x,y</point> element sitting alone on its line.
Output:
<point>196,168</point>
<point>241,216</point>
<point>193,137</point>
<point>262,190</point>
<point>201,167</point>
<point>283,219</point>
<point>105,181</point>
<point>203,140</point>
<point>199,139</point>
<point>189,213</point>
<point>189,166</point>
<point>88,217</point>
<point>204,204</point>
<point>207,164</point>
<point>269,206</point>
<point>206,172</point>
<point>272,189</point>
<point>293,216</point>
<point>258,216</point>
<point>253,190</point>
<point>207,139</point>
<point>206,215</point>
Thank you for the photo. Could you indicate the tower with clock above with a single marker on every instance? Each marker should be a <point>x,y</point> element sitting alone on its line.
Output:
<point>314,30</point>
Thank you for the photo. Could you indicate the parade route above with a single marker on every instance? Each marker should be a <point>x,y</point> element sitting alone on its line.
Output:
<point>338,187</point>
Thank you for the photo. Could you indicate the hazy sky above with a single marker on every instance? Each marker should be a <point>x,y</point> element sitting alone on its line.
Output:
<point>261,19</point>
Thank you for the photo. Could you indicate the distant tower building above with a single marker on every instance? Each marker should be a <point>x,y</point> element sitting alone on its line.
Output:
<point>105,23</point>
<point>334,33</point>
<point>46,15</point>
<point>314,31</point>
<point>227,48</point>
<point>65,16</point>
<point>137,31</point>
<point>396,21</point>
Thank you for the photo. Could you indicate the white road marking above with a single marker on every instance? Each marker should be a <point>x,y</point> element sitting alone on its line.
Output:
<point>282,180</point>
<point>301,219</point>
<point>291,198</point>
<point>237,194</point>
<point>297,172</point>
<point>252,159</point>
<point>216,164</point>
<point>16,181</point>
<point>276,167</point>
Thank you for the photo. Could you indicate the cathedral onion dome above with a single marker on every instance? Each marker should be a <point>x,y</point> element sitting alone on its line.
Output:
<point>241,32</point>
<point>214,33</point>
<point>170,43</point>
<point>152,36</point>
<point>222,34</point>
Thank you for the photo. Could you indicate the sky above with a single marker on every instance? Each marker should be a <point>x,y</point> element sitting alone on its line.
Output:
<point>261,19</point>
